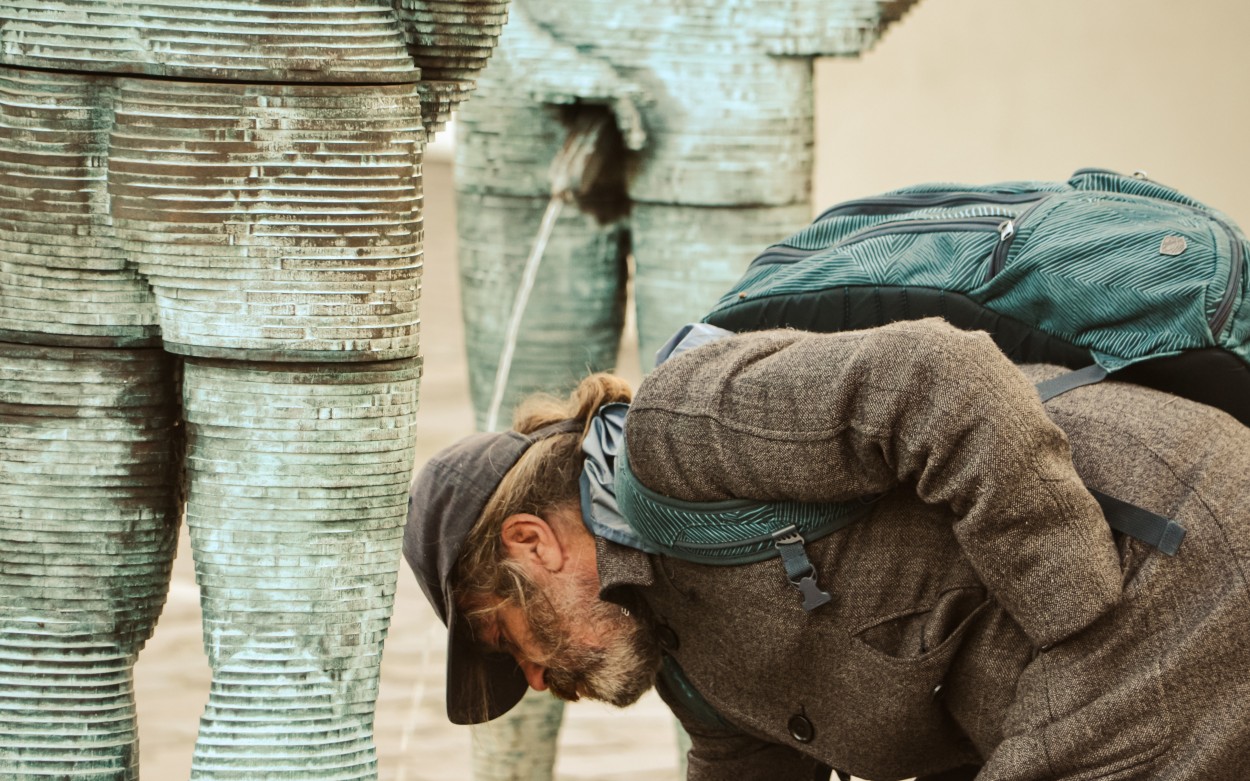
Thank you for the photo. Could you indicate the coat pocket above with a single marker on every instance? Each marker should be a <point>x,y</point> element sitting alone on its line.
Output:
<point>892,679</point>
<point>925,632</point>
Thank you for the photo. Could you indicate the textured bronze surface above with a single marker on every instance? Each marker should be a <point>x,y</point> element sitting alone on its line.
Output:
<point>238,183</point>
<point>247,40</point>
<point>88,526</point>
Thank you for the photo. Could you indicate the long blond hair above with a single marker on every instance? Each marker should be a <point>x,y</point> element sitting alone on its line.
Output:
<point>544,480</point>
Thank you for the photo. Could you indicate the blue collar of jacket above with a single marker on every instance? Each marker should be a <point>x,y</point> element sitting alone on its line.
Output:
<point>601,445</point>
<point>606,439</point>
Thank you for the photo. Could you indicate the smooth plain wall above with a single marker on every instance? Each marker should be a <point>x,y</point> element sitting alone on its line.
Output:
<point>989,90</point>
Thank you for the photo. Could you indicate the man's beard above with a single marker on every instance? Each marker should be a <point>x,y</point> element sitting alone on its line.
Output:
<point>617,666</point>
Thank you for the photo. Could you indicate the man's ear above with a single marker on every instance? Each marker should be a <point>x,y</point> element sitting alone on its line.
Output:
<point>530,539</point>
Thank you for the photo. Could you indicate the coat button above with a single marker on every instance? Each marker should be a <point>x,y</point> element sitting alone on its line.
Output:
<point>801,728</point>
<point>667,638</point>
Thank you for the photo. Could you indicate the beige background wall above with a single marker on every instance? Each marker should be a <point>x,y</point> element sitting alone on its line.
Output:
<point>984,90</point>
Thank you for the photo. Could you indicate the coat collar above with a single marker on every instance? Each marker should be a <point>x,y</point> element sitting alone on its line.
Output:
<point>621,569</point>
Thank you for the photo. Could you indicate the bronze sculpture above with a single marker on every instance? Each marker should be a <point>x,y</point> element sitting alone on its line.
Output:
<point>714,108</point>
<point>209,276</point>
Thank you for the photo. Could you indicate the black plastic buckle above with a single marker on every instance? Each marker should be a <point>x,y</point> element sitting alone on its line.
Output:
<point>799,569</point>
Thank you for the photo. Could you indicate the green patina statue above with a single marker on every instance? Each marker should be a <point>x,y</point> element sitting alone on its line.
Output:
<point>709,160</point>
<point>713,102</point>
<point>209,272</point>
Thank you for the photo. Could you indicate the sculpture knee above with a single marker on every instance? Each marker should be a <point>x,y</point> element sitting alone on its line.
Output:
<point>298,478</point>
<point>91,452</point>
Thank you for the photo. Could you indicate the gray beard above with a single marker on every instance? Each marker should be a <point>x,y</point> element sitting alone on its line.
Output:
<point>618,669</point>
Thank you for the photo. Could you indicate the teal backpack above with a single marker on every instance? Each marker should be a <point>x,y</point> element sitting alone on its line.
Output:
<point>1104,273</point>
<point>1114,273</point>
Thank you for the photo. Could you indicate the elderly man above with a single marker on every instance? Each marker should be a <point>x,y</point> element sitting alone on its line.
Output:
<point>979,612</point>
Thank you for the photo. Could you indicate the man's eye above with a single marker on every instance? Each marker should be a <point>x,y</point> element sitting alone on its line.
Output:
<point>497,643</point>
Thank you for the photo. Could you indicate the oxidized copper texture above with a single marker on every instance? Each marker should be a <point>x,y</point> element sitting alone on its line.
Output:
<point>280,219</point>
<point>297,475</point>
<point>88,528</point>
<point>238,183</point>
<point>247,40</point>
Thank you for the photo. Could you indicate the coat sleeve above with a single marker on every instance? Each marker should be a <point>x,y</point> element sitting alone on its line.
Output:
<point>777,415</point>
<point>718,753</point>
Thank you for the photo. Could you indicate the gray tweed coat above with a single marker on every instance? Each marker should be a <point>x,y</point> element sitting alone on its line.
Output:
<point>984,614</point>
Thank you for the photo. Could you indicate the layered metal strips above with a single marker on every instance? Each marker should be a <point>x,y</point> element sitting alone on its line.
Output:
<point>298,479</point>
<point>238,182</point>
<point>88,525</point>
<point>440,44</point>
<point>64,278</point>
<point>273,218</point>
<point>280,219</point>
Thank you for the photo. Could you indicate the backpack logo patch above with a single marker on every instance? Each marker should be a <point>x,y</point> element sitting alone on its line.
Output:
<point>1172,245</point>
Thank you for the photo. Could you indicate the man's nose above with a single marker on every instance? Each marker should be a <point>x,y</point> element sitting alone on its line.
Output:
<point>534,675</point>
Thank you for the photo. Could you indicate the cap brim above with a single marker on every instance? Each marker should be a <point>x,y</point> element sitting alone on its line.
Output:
<point>448,496</point>
<point>481,686</point>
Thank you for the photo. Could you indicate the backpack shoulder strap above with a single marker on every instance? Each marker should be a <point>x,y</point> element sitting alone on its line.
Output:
<point>734,531</point>
<point>1155,530</point>
<point>1057,386</point>
<point>1151,528</point>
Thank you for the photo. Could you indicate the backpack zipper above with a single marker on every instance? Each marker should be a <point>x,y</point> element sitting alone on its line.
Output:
<point>892,204</point>
<point>886,204</point>
<point>780,253</point>
<point>1006,234</point>
<point>1225,309</point>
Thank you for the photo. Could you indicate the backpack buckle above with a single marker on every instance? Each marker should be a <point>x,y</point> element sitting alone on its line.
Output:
<point>799,569</point>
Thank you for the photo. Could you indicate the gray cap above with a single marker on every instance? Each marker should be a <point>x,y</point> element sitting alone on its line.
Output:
<point>447,498</point>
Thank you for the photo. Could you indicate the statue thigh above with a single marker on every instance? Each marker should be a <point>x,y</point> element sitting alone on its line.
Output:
<point>687,257</point>
<point>726,172</point>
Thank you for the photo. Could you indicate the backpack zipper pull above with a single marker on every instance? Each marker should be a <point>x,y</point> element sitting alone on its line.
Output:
<point>1006,230</point>
<point>799,569</point>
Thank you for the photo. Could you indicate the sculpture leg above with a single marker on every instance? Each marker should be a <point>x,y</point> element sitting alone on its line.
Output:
<point>687,257</point>
<point>88,528</point>
<point>280,223</point>
<point>574,319</point>
<point>298,478</point>
<point>521,745</point>
<point>89,448</point>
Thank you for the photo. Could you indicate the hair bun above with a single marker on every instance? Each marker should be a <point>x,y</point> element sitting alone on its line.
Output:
<point>582,403</point>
